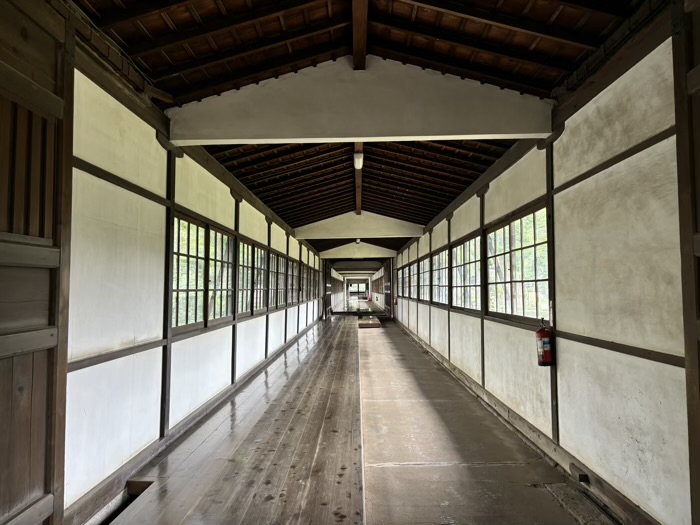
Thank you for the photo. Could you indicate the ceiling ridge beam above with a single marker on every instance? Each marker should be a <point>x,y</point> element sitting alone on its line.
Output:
<point>513,23</point>
<point>253,73</point>
<point>217,26</point>
<point>481,46</point>
<point>453,67</point>
<point>360,15</point>
<point>358,180</point>
<point>286,37</point>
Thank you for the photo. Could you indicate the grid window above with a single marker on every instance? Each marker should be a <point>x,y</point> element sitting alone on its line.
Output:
<point>518,273</point>
<point>399,279</point>
<point>220,275</point>
<point>281,281</point>
<point>188,273</point>
<point>406,287</point>
<point>274,279</point>
<point>293,283</point>
<point>245,276</point>
<point>260,281</point>
<point>425,279</point>
<point>304,282</point>
<point>440,278</point>
<point>414,281</point>
<point>466,274</point>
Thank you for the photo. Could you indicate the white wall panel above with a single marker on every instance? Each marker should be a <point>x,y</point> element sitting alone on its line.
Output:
<point>618,254</point>
<point>521,183</point>
<point>201,367</point>
<point>112,413</point>
<point>413,252</point>
<point>439,236</point>
<point>292,314</point>
<point>465,219</point>
<point>279,239</point>
<point>293,248</point>
<point>276,331</point>
<point>250,344</point>
<point>625,418</point>
<point>252,223</point>
<point>424,322</point>
<point>439,336</point>
<point>636,107</point>
<point>108,135</point>
<point>465,344</point>
<point>117,281</point>
<point>303,309</point>
<point>413,316</point>
<point>424,245</point>
<point>513,376</point>
<point>200,191</point>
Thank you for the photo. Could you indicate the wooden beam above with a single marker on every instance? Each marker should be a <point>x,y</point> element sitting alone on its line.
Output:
<point>218,25</point>
<point>601,6</point>
<point>119,15</point>
<point>531,58</point>
<point>450,169</point>
<point>358,182</point>
<point>282,160</point>
<point>247,49</point>
<point>514,23</point>
<point>360,14</point>
<point>271,173</point>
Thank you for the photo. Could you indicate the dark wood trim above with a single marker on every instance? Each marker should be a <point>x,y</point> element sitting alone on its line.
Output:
<point>21,89</point>
<point>360,14</point>
<point>523,323</point>
<point>106,357</point>
<point>642,353</point>
<point>27,342</point>
<point>621,157</point>
<point>25,239</point>
<point>234,306</point>
<point>37,512</point>
<point>483,266</point>
<point>551,266</point>
<point>513,155</point>
<point>29,255</point>
<point>686,37</point>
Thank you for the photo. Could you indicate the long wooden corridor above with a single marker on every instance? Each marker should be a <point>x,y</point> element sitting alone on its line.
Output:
<point>287,448</point>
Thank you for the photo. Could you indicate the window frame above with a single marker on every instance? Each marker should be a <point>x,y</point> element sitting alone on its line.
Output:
<point>260,255</point>
<point>232,244</point>
<point>421,272</point>
<point>462,241</point>
<point>413,280</point>
<point>249,311</point>
<point>446,250</point>
<point>532,209</point>
<point>176,291</point>
<point>292,283</point>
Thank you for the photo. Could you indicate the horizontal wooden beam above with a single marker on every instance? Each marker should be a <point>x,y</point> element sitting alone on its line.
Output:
<point>438,154</point>
<point>30,341</point>
<point>419,182</point>
<point>606,7</point>
<point>218,25</point>
<point>514,23</point>
<point>449,168</point>
<point>411,176</point>
<point>458,68</point>
<point>280,160</point>
<point>38,512</point>
<point>284,186</point>
<point>245,50</point>
<point>407,163</point>
<point>531,58</point>
<point>280,171</point>
<point>29,255</point>
<point>119,15</point>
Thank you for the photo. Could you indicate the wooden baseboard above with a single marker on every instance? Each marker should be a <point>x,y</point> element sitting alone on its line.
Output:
<point>597,488</point>
<point>102,494</point>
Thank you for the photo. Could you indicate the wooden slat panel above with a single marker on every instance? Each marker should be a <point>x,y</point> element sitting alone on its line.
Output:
<point>5,417</point>
<point>19,185</point>
<point>20,429</point>
<point>49,180</point>
<point>6,128</point>
<point>37,466</point>
<point>24,301</point>
<point>36,160</point>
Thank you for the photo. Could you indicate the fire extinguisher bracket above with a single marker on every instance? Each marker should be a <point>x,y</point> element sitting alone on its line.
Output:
<point>545,345</point>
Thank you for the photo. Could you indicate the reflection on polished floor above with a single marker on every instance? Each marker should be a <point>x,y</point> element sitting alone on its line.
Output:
<point>288,448</point>
<point>357,305</point>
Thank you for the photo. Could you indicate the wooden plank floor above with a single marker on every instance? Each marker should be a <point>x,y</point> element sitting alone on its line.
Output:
<point>286,449</point>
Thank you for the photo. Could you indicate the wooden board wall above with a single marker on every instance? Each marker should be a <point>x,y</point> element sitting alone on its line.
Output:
<point>36,92</point>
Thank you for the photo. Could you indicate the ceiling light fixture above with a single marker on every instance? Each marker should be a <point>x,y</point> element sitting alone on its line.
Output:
<point>358,159</point>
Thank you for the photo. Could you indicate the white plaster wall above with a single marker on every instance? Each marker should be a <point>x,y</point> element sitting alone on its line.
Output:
<point>201,367</point>
<point>400,309</point>
<point>439,237</point>
<point>112,413</point>
<point>334,103</point>
<point>276,331</point>
<point>253,223</point>
<point>512,374</point>
<point>361,250</point>
<point>116,287</point>
<point>292,314</point>
<point>350,225</point>
<point>439,336</point>
<point>424,245</point>
<point>465,219</point>
<point>413,252</point>
<point>618,254</point>
<point>518,185</point>
<point>278,239</point>
<point>302,315</point>
<point>250,344</point>
<point>424,322</point>
<point>304,254</point>
<point>200,191</point>
<point>625,418</point>
<point>293,249</point>
<point>126,147</point>
<point>413,316</point>
<point>636,107</point>
<point>465,344</point>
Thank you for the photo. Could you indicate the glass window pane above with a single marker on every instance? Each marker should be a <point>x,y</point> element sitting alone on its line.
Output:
<point>541,225</point>
<point>183,236</point>
<point>181,308</point>
<point>491,243</point>
<point>530,299</point>
<point>492,298</point>
<point>529,264</point>
<point>517,290</point>
<point>543,299</point>
<point>528,230</point>
<point>517,265</point>
<point>542,262</point>
<point>516,234</point>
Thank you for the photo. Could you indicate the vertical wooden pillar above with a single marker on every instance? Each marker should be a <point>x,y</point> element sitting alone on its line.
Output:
<point>484,276</point>
<point>554,387</point>
<point>686,66</point>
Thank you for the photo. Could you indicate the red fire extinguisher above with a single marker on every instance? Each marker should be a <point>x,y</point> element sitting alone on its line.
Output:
<point>545,350</point>
<point>396,301</point>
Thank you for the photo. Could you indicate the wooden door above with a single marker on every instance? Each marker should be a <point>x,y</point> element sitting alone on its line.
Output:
<point>35,153</point>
